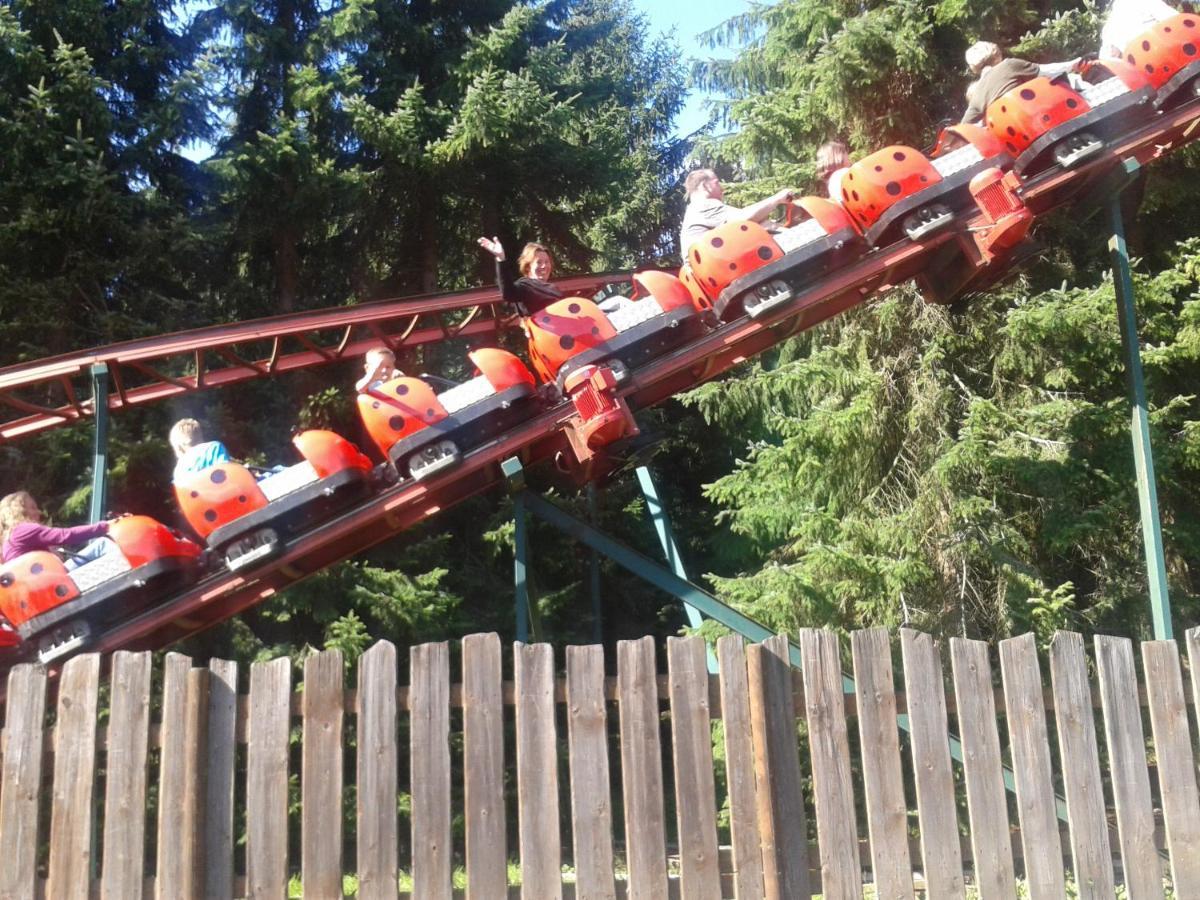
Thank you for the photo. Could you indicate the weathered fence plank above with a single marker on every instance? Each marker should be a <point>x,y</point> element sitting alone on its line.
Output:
<point>195,739</point>
<point>429,709</point>
<point>1127,766</point>
<point>591,790</point>
<point>641,770</point>
<point>267,778</point>
<point>24,718</point>
<point>537,772</point>
<point>695,788</point>
<point>991,844</point>
<point>829,747</point>
<point>925,689</point>
<point>1176,764</point>
<point>739,769</point>
<point>123,869</point>
<point>221,759</point>
<point>887,811</point>
<point>1090,849</point>
<point>1030,746</point>
<point>483,767</point>
<point>170,881</point>
<point>203,721</point>
<point>70,866</point>
<point>378,855</point>
<point>782,824</point>
<point>321,776</point>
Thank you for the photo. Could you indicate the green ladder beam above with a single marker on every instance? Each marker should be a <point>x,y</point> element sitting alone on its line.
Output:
<point>706,603</point>
<point>1143,453</point>
<point>666,538</point>
<point>99,373</point>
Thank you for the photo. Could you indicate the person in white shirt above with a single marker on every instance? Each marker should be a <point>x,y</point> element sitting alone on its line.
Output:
<point>833,162</point>
<point>1127,19</point>
<point>379,365</point>
<point>707,208</point>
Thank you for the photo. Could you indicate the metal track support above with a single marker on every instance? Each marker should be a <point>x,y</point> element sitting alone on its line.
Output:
<point>99,373</point>
<point>1143,454</point>
<point>662,526</point>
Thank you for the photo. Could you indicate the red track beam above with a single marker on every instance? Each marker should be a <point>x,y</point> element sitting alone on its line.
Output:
<point>190,347</point>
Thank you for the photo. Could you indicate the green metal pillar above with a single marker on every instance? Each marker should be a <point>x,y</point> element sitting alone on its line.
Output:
<point>662,525</point>
<point>707,604</point>
<point>527,616</point>
<point>594,572</point>
<point>1143,454</point>
<point>99,373</point>
<point>520,565</point>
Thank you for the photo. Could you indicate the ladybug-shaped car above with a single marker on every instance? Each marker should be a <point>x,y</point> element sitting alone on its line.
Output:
<point>48,611</point>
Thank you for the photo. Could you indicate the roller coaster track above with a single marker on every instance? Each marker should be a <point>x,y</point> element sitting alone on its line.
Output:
<point>394,509</point>
<point>38,396</point>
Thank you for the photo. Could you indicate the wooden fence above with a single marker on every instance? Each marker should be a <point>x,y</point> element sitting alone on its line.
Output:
<point>605,787</point>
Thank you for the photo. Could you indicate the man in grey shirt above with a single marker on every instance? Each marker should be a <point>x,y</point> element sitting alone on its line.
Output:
<point>999,74</point>
<point>707,208</point>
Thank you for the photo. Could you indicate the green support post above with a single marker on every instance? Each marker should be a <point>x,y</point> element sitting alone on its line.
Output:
<point>528,619</point>
<point>594,573</point>
<point>520,565</point>
<point>99,373</point>
<point>662,525</point>
<point>707,604</point>
<point>1143,454</point>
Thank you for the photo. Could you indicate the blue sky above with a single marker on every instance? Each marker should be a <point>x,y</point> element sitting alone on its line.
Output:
<point>683,20</point>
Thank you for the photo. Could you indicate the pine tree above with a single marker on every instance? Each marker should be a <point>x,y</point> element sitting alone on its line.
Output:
<point>965,471</point>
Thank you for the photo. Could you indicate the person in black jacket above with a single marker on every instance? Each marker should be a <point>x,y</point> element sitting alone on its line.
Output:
<point>532,292</point>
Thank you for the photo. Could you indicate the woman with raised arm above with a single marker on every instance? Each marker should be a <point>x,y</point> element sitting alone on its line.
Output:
<point>532,292</point>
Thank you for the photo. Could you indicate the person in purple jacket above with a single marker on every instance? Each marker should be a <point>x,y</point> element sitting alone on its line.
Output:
<point>22,531</point>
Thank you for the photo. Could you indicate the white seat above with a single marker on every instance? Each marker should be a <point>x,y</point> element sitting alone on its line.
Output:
<point>633,314</point>
<point>956,160</point>
<point>1099,94</point>
<point>798,235</point>
<point>463,395</point>
<point>99,570</point>
<point>290,479</point>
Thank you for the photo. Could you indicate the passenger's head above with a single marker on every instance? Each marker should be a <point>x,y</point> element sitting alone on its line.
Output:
<point>831,156</point>
<point>377,357</point>
<point>982,54</point>
<point>16,508</point>
<point>185,434</point>
<point>703,181</point>
<point>535,261</point>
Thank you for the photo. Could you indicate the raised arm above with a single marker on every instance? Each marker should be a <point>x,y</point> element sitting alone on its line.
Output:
<point>49,536</point>
<point>756,212</point>
<point>1049,70</point>
<point>504,281</point>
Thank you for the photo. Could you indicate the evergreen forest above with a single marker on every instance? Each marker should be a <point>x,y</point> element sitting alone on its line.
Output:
<point>168,164</point>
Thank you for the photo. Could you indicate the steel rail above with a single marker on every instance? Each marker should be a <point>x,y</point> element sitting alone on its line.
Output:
<point>27,388</point>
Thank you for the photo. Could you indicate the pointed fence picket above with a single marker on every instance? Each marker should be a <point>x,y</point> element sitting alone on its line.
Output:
<point>589,778</point>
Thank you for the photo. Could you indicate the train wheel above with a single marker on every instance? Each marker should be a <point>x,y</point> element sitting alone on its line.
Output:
<point>432,459</point>
<point>63,641</point>
<point>1075,149</point>
<point>927,220</point>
